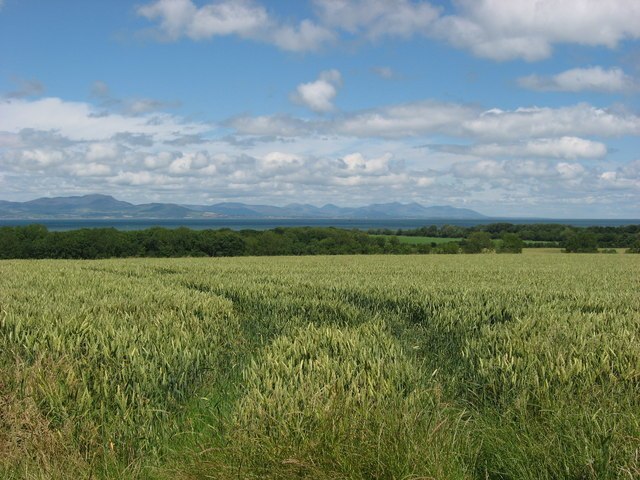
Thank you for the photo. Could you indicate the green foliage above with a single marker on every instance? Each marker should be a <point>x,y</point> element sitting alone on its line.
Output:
<point>511,243</point>
<point>635,246</point>
<point>477,242</point>
<point>580,242</point>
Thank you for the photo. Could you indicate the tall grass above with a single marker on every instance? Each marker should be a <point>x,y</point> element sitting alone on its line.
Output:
<point>468,367</point>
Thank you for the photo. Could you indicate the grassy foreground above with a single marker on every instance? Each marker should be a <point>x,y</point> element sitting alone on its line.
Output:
<point>389,367</point>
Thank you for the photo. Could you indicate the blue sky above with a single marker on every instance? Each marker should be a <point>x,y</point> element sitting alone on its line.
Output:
<point>511,107</point>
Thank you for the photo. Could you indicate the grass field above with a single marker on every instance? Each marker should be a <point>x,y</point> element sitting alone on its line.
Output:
<point>387,367</point>
<point>437,240</point>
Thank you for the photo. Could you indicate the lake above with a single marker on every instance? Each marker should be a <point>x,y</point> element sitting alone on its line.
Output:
<point>269,223</point>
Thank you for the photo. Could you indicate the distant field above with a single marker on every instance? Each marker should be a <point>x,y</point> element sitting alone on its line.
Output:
<point>327,367</point>
<point>419,240</point>
<point>438,240</point>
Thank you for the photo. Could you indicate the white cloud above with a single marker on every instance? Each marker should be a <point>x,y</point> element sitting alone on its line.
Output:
<point>479,169</point>
<point>356,162</point>
<point>540,122</point>
<point>307,36</point>
<point>244,18</point>
<point>595,79</point>
<point>570,171</point>
<point>519,171</point>
<point>377,18</point>
<point>528,29</point>
<point>280,163</point>
<point>41,158</point>
<point>282,125</point>
<point>459,120</point>
<point>189,163</point>
<point>81,121</point>
<point>158,160</point>
<point>495,29</point>
<point>626,177</point>
<point>319,94</point>
<point>140,178</point>
<point>563,147</point>
<point>92,169</point>
<point>405,120</point>
<point>101,151</point>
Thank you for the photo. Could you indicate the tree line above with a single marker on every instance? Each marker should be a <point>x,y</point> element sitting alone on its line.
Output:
<point>36,241</point>
<point>544,235</point>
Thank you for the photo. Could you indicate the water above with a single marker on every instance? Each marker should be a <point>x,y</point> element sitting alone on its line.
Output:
<point>269,223</point>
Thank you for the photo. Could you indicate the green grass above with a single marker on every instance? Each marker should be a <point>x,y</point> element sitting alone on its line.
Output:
<point>418,240</point>
<point>395,367</point>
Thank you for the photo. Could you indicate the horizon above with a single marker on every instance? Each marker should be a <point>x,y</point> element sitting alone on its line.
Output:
<point>514,109</point>
<point>320,206</point>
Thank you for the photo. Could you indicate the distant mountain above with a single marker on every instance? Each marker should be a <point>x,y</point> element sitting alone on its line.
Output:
<point>90,206</point>
<point>105,206</point>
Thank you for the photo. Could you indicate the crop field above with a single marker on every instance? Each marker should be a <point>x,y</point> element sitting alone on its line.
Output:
<point>346,367</point>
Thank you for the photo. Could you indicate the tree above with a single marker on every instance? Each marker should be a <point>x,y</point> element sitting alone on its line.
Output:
<point>635,246</point>
<point>511,243</point>
<point>580,242</point>
<point>448,248</point>
<point>477,242</point>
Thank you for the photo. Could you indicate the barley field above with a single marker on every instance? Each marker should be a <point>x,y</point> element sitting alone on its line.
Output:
<point>347,367</point>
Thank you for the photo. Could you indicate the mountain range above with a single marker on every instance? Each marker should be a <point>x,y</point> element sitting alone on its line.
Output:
<point>105,206</point>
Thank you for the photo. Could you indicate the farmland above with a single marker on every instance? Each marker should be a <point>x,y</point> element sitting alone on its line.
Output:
<point>404,367</point>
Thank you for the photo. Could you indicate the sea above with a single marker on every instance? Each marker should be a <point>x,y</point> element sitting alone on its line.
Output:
<point>270,223</point>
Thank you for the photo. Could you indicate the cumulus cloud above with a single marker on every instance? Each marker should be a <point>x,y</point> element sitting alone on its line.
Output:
<point>540,122</point>
<point>528,29</point>
<point>495,29</point>
<point>91,169</point>
<point>279,163</point>
<point>458,120</point>
<point>377,18</point>
<point>40,158</point>
<point>625,177</point>
<point>519,171</point>
<point>319,94</point>
<point>81,121</point>
<point>345,157</point>
<point>563,147</point>
<point>595,79</point>
<point>101,151</point>
<point>243,18</point>
<point>139,178</point>
<point>570,171</point>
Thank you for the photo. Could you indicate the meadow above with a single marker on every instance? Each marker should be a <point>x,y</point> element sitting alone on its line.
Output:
<point>325,367</point>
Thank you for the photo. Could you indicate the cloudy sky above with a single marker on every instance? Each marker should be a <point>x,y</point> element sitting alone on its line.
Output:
<point>510,107</point>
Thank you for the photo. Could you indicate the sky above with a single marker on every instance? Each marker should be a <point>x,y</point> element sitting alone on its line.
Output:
<point>510,107</point>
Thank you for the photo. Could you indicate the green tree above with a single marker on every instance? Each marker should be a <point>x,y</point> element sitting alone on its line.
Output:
<point>477,242</point>
<point>635,246</point>
<point>580,242</point>
<point>511,243</point>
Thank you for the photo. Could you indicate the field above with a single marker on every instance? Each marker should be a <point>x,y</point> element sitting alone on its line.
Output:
<point>389,367</point>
